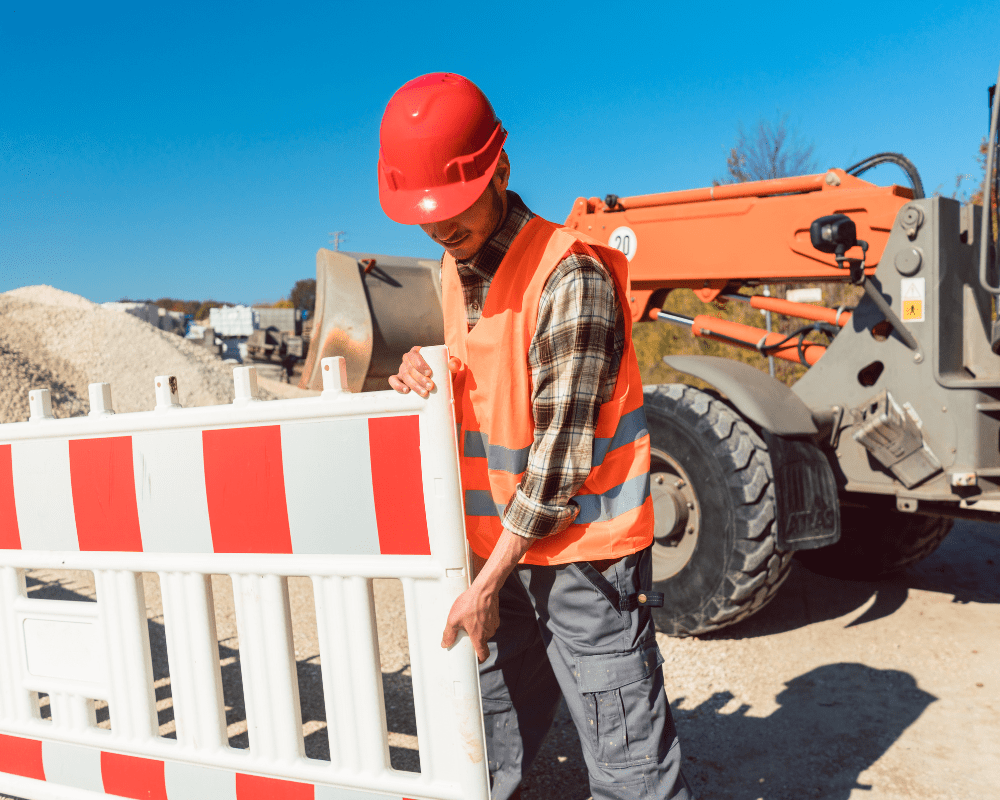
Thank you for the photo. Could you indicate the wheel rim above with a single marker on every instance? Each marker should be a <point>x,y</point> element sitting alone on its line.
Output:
<point>677,515</point>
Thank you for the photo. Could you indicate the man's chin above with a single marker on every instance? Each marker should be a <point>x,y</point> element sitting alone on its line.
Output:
<point>461,251</point>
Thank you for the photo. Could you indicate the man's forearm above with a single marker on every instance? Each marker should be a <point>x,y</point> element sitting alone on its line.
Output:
<point>509,550</point>
<point>477,609</point>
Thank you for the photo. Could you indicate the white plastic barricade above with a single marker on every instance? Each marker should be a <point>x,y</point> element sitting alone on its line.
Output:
<point>341,488</point>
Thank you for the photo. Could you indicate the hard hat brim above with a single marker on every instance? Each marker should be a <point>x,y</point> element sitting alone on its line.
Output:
<point>438,203</point>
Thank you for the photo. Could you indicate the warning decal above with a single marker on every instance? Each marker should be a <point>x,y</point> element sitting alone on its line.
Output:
<point>911,292</point>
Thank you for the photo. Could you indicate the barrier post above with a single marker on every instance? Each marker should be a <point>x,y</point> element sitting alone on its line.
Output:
<point>195,684</point>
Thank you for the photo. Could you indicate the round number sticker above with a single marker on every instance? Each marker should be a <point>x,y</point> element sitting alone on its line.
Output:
<point>623,239</point>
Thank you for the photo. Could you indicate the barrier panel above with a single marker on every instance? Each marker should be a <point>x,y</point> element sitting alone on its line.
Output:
<point>342,489</point>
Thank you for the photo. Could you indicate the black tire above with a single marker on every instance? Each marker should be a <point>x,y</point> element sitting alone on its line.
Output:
<point>715,555</point>
<point>876,539</point>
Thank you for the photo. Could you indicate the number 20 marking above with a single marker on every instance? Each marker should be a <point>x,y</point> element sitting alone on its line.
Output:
<point>624,240</point>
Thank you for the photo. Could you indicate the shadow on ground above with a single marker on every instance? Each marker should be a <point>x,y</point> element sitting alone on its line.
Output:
<point>965,566</point>
<point>833,724</point>
<point>834,721</point>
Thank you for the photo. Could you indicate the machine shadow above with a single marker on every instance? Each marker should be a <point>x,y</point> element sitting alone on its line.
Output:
<point>966,566</point>
<point>833,723</point>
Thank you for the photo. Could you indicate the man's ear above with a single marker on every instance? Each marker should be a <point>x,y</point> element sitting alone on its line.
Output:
<point>501,176</point>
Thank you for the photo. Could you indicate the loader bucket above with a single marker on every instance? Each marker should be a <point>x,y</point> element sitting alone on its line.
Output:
<point>371,309</point>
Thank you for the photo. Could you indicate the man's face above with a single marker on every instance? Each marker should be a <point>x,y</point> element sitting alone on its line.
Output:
<point>464,234</point>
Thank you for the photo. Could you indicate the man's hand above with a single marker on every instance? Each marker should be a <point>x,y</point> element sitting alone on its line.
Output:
<point>477,609</point>
<point>415,374</point>
<point>477,612</point>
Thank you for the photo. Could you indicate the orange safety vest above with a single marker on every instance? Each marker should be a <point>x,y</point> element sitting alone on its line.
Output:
<point>494,417</point>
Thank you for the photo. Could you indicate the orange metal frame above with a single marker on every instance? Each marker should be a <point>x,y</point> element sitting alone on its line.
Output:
<point>750,338</point>
<point>790,308</point>
<point>747,233</point>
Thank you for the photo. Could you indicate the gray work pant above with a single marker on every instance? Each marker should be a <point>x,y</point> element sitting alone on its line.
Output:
<point>569,629</point>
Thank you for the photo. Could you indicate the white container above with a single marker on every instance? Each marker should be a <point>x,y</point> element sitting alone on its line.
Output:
<point>232,320</point>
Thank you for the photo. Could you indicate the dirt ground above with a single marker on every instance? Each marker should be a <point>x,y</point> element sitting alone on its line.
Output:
<point>836,690</point>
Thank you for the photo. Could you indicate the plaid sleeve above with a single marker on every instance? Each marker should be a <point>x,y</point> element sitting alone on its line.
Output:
<point>574,359</point>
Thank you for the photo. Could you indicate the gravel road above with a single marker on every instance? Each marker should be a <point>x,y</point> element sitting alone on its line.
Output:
<point>837,690</point>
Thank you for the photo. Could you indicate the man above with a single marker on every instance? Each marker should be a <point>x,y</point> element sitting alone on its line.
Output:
<point>554,452</point>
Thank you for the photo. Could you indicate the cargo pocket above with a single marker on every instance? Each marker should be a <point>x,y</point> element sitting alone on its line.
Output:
<point>498,720</point>
<point>618,693</point>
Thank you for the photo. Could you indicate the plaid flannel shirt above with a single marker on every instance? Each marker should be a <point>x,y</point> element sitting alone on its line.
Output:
<point>573,359</point>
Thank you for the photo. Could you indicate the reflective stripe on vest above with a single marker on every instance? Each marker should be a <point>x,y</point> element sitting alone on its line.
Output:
<point>631,427</point>
<point>593,507</point>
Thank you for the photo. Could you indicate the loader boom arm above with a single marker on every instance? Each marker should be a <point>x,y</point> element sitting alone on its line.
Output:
<point>748,233</point>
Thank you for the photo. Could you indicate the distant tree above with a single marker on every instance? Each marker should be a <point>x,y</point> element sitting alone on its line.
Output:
<point>282,303</point>
<point>303,295</point>
<point>960,192</point>
<point>977,196</point>
<point>171,304</point>
<point>773,151</point>
<point>994,200</point>
<point>204,307</point>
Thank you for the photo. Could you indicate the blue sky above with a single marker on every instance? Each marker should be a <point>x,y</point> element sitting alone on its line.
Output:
<point>198,151</point>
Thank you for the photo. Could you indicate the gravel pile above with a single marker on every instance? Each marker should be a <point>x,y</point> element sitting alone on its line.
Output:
<point>55,339</point>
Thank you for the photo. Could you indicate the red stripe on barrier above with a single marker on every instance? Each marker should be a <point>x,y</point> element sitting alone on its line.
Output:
<point>397,482</point>
<point>245,483</point>
<point>254,787</point>
<point>130,776</point>
<point>10,537</point>
<point>104,494</point>
<point>21,757</point>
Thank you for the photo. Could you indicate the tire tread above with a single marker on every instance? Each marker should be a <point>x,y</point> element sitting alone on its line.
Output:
<point>759,567</point>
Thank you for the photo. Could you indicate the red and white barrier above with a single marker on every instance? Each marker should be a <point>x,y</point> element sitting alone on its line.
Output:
<point>341,488</point>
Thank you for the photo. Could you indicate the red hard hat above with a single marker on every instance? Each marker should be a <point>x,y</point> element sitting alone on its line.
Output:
<point>440,144</point>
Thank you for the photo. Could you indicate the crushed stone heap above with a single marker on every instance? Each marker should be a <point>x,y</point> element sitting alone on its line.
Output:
<point>55,339</point>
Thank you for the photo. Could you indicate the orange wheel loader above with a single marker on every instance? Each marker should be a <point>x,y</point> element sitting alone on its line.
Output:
<point>859,468</point>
